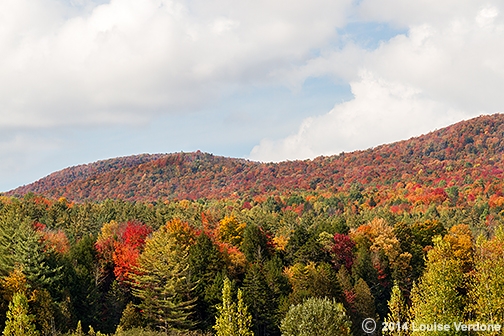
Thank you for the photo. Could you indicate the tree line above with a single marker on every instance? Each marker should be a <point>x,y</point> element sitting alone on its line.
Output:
<point>245,267</point>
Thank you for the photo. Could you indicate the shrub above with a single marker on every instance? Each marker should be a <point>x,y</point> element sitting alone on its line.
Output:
<point>316,317</point>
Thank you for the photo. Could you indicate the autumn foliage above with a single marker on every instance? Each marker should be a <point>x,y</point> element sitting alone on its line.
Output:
<point>411,230</point>
<point>122,244</point>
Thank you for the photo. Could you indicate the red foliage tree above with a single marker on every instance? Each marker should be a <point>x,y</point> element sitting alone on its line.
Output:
<point>127,248</point>
<point>342,251</point>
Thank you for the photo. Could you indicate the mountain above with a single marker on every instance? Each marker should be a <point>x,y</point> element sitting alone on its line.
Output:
<point>457,155</point>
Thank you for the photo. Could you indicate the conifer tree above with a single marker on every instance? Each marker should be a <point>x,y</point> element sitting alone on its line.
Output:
<point>279,284</point>
<point>260,300</point>
<point>206,266</point>
<point>19,322</point>
<point>21,247</point>
<point>162,284</point>
<point>41,303</point>
<point>364,303</point>
<point>130,318</point>
<point>312,281</point>
<point>78,330</point>
<point>298,238</point>
<point>79,275</point>
<point>254,244</point>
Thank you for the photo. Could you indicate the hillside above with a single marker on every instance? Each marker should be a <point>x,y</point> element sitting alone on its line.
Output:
<point>418,222</point>
<point>453,156</point>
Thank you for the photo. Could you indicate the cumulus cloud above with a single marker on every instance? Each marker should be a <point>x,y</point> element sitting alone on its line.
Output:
<point>381,112</point>
<point>448,67</point>
<point>90,62</point>
<point>101,62</point>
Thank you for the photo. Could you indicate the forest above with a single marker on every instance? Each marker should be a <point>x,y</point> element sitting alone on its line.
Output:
<point>183,267</point>
<point>389,241</point>
<point>458,155</point>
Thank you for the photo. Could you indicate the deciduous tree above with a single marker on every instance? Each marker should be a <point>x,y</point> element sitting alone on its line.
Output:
<point>316,317</point>
<point>19,321</point>
<point>233,319</point>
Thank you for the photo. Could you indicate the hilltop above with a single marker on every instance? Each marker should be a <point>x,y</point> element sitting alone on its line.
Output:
<point>453,156</point>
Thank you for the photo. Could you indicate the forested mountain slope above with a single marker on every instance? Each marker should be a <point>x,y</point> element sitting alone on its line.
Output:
<point>410,233</point>
<point>456,155</point>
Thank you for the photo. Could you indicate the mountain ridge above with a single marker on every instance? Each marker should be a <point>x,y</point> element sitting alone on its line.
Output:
<point>456,154</point>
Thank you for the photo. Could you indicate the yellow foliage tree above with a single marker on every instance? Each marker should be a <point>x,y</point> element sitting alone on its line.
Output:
<point>13,283</point>
<point>487,290</point>
<point>182,232</point>
<point>231,231</point>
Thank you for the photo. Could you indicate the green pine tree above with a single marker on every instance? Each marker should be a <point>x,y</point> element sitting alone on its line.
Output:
<point>20,246</point>
<point>79,277</point>
<point>206,266</point>
<point>254,244</point>
<point>260,300</point>
<point>364,305</point>
<point>42,307</point>
<point>162,284</point>
<point>130,317</point>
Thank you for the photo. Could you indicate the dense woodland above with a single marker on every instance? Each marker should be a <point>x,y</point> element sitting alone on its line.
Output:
<point>453,156</point>
<point>411,232</point>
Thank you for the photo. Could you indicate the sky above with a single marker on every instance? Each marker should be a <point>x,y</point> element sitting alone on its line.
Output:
<point>267,80</point>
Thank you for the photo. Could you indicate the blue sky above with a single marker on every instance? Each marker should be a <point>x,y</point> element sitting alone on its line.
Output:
<point>84,80</point>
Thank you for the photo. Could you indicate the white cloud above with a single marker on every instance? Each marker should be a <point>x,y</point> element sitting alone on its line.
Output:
<point>98,62</point>
<point>122,61</point>
<point>381,112</point>
<point>410,13</point>
<point>448,67</point>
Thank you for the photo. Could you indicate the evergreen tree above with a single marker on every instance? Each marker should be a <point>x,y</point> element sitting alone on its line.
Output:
<point>130,318</point>
<point>312,251</point>
<point>345,283</point>
<point>206,266</point>
<point>19,322</point>
<point>8,223</point>
<point>279,285</point>
<point>162,284</point>
<point>78,330</point>
<point>312,280</point>
<point>113,304</point>
<point>298,238</point>
<point>255,244</point>
<point>363,269</point>
<point>20,246</point>
<point>260,300</point>
<point>80,279</point>
<point>364,305</point>
<point>42,308</point>
<point>232,319</point>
